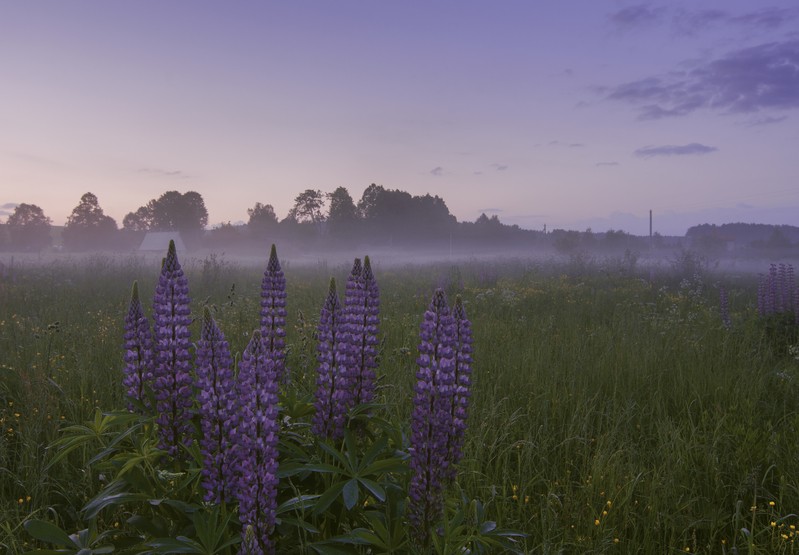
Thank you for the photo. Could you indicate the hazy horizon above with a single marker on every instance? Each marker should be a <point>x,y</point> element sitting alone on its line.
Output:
<point>572,115</point>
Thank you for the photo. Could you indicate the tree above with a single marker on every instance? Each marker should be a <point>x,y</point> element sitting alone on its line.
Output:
<point>140,220</point>
<point>172,211</point>
<point>29,228</point>
<point>88,227</point>
<point>263,220</point>
<point>308,207</point>
<point>342,213</point>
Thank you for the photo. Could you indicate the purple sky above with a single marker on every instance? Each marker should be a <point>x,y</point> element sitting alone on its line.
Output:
<point>572,114</point>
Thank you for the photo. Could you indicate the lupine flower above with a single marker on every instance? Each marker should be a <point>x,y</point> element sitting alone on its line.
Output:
<point>724,308</point>
<point>172,382</point>
<point>431,419</point>
<point>273,313</point>
<point>361,326</point>
<point>138,352</point>
<point>331,409</point>
<point>463,384</point>
<point>217,404</point>
<point>256,436</point>
<point>777,292</point>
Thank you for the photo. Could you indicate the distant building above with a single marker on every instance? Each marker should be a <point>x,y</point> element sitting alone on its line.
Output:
<point>158,241</point>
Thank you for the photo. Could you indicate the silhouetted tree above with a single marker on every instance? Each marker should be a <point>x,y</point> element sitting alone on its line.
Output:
<point>28,228</point>
<point>342,213</point>
<point>263,220</point>
<point>172,211</point>
<point>88,227</point>
<point>308,207</point>
<point>140,220</point>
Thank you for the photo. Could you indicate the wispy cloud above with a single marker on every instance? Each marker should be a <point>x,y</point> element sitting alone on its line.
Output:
<point>747,80</point>
<point>7,209</point>
<point>490,210</point>
<point>567,145</point>
<point>599,164</point>
<point>437,171</point>
<point>689,22</point>
<point>500,167</point>
<point>636,16</point>
<point>674,150</point>
<point>156,172</point>
<point>768,120</point>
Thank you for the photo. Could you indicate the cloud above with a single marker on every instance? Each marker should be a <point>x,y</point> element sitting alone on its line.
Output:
<point>490,210</point>
<point>674,150</point>
<point>156,172</point>
<point>635,16</point>
<point>768,120</point>
<point>746,80</point>
<point>766,18</point>
<point>568,145</point>
<point>691,22</point>
<point>598,164</point>
<point>500,167</point>
<point>437,171</point>
<point>7,209</point>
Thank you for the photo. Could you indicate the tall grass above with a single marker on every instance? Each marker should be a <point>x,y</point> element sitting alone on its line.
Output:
<point>610,413</point>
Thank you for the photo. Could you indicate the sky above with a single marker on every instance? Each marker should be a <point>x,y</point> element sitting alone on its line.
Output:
<point>568,114</point>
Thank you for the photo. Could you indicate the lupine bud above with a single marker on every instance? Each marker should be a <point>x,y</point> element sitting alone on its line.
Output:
<point>172,382</point>
<point>138,352</point>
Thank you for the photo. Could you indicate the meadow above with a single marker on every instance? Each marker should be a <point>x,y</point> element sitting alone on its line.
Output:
<point>612,411</point>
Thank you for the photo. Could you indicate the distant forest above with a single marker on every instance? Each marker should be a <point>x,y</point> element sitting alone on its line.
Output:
<point>317,220</point>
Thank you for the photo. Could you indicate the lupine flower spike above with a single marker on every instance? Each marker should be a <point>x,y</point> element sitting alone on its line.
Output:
<point>256,439</point>
<point>328,420</point>
<point>463,384</point>
<point>217,404</point>
<point>172,383</point>
<point>431,419</point>
<point>724,304</point>
<point>273,313</point>
<point>138,353</point>
<point>362,320</point>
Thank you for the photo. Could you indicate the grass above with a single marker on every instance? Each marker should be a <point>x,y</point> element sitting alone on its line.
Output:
<point>610,413</point>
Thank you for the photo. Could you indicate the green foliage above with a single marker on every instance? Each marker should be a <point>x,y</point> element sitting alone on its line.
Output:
<point>609,414</point>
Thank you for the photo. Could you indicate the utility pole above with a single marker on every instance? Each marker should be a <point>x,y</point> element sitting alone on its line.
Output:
<point>650,229</point>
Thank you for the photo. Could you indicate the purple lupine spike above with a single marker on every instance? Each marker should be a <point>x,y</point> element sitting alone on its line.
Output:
<point>256,436</point>
<point>462,383</point>
<point>138,373</point>
<point>172,382</point>
<point>331,393</point>
<point>790,288</point>
<point>431,419</point>
<point>772,289</point>
<point>362,323</point>
<point>724,308</point>
<point>781,289</point>
<point>273,313</point>
<point>217,402</point>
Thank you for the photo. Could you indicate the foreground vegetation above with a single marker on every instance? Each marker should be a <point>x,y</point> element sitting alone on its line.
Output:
<point>611,411</point>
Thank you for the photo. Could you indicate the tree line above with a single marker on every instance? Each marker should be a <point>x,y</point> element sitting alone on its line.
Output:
<point>382,216</point>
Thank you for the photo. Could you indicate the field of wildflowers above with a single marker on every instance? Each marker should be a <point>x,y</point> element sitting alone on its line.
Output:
<point>541,407</point>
